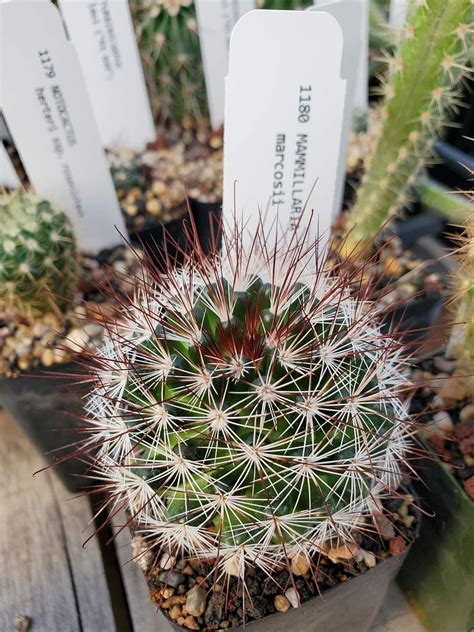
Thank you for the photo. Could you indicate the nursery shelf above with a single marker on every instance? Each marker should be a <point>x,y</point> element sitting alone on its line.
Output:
<point>50,583</point>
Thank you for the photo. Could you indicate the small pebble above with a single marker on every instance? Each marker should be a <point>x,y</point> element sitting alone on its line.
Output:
<point>293,597</point>
<point>300,564</point>
<point>281,603</point>
<point>347,551</point>
<point>442,364</point>
<point>369,559</point>
<point>384,526</point>
<point>167,561</point>
<point>469,487</point>
<point>175,613</point>
<point>397,545</point>
<point>171,578</point>
<point>466,414</point>
<point>196,601</point>
<point>21,623</point>
<point>190,623</point>
<point>442,422</point>
<point>453,389</point>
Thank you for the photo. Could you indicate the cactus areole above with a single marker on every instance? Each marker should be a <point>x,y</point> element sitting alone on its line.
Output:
<point>247,409</point>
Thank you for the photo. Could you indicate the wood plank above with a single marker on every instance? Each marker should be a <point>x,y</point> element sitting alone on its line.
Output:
<point>145,617</point>
<point>46,574</point>
<point>396,614</point>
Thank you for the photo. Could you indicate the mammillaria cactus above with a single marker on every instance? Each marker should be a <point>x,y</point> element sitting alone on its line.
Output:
<point>247,409</point>
<point>420,93</point>
<point>37,255</point>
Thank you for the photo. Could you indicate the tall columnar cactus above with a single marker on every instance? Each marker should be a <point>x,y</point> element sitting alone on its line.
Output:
<point>247,409</point>
<point>462,340</point>
<point>420,94</point>
<point>169,43</point>
<point>169,46</point>
<point>37,255</point>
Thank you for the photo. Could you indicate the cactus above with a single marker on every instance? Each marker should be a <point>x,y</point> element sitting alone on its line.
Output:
<point>420,94</point>
<point>247,408</point>
<point>37,255</point>
<point>169,46</point>
<point>461,344</point>
<point>169,43</point>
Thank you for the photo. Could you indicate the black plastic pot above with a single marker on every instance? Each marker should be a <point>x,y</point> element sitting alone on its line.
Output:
<point>47,408</point>
<point>438,576</point>
<point>350,606</point>
<point>207,217</point>
<point>414,319</point>
<point>455,166</point>
<point>166,243</point>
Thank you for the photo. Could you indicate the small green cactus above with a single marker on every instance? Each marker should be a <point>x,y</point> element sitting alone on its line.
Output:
<point>420,95</point>
<point>247,409</point>
<point>37,255</point>
<point>168,38</point>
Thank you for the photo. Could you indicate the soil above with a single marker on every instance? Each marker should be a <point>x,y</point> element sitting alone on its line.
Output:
<point>56,338</point>
<point>153,186</point>
<point>445,408</point>
<point>228,605</point>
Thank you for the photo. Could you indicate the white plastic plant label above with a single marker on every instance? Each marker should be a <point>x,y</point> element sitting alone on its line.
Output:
<point>216,19</point>
<point>102,33</point>
<point>49,116</point>
<point>8,175</point>
<point>284,113</point>
<point>398,13</point>
<point>356,34</point>
<point>351,17</point>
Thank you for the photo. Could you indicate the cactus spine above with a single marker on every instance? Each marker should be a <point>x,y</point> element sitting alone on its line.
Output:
<point>37,255</point>
<point>420,93</point>
<point>246,408</point>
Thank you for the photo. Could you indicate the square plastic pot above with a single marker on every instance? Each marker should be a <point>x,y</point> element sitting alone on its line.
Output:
<point>348,607</point>
<point>47,407</point>
<point>438,577</point>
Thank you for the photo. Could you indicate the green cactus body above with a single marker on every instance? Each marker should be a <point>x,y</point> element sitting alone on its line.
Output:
<point>419,96</point>
<point>247,409</point>
<point>462,341</point>
<point>37,255</point>
<point>169,43</point>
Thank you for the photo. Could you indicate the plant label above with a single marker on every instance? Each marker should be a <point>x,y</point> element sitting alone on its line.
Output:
<point>284,112</point>
<point>8,175</point>
<point>216,20</point>
<point>398,13</point>
<point>351,17</point>
<point>49,115</point>
<point>103,36</point>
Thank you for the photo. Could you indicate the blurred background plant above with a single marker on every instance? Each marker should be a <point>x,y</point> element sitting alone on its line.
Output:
<point>38,260</point>
<point>169,44</point>
<point>421,93</point>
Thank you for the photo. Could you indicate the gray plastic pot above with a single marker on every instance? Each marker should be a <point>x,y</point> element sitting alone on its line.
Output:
<point>350,606</point>
<point>47,406</point>
<point>438,577</point>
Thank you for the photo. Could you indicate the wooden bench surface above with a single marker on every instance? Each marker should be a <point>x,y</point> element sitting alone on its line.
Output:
<point>59,585</point>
